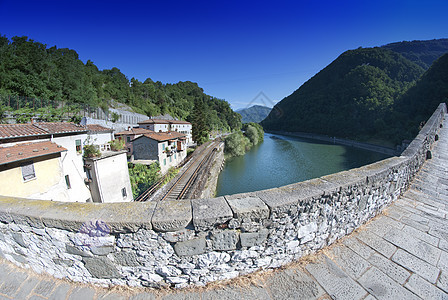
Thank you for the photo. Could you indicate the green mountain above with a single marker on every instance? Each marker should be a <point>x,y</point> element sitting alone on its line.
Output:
<point>255,114</point>
<point>366,94</point>
<point>418,103</point>
<point>348,98</point>
<point>29,68</point>
<point>423,53</point>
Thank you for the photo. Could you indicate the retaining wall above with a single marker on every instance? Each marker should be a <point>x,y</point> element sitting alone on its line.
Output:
<point>187,242</point>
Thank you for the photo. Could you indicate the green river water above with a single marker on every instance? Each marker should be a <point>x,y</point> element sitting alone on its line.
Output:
<point>282,160</point>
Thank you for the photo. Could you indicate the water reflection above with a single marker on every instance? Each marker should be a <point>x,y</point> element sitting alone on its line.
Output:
<point>282,160</point>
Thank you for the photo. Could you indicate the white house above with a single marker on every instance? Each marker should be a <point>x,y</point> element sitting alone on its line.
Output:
<point>168,148</point>
<point>159,125</point>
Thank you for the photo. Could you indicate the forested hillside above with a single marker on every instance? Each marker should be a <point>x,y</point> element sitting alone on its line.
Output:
<point>420,101</point>
<point>349,98</point>
<point>255,113</point>
<point>29,68</point>
<point>359,95</point>
<point>423,53</point>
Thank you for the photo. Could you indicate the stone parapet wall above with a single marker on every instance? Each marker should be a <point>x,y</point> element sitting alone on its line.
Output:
<point>193,242</point>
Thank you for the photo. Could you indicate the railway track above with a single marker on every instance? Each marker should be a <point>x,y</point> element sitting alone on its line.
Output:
<point>183,182</point>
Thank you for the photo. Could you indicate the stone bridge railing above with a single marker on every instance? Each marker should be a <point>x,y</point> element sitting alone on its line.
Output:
<point>192,242</point>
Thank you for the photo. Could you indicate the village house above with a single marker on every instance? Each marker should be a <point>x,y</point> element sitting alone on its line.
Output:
<point>167,148</point>
<point>159,125</point>
<point>34,170</point>
<point>129,135</point>
<point>71,137</point>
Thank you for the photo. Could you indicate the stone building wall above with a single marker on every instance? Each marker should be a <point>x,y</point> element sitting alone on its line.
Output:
<point>193,242</point>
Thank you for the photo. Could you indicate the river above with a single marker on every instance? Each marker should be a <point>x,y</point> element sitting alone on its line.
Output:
<point>282,160</point>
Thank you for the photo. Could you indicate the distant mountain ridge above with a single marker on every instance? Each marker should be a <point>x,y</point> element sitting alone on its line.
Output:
<point>354,96</point>
<point>255,113</point>
<point>423,53</point>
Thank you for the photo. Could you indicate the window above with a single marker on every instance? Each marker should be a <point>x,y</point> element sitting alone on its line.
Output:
<point>123,192</point>
<point>128,139</point>
<point>174,155</point>
<point>164,161</point>
<point>67,182</point>
<point>163,146</point>
<point>78,146</point>
<point>171,158</point>
<point>28,171</point>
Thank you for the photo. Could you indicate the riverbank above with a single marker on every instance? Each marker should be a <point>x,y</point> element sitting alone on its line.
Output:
<point>341,141</point>
<point>218,164</point>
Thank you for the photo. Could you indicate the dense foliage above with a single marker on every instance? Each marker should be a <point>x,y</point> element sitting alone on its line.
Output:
<point>238,143</point>
<point>29,68</point>
<point>418,103</point>
<point>143,176</point>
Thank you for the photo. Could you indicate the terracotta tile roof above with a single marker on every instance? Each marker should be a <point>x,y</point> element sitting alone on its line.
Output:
<point>98,128</point>
<point>154,121</point>
<point>179,122</point>
<point>159,121</point>
<point>61,127</point>
<point>19,130</point>
<point>134,131</point>
<point>164,136</point>
<point>34,129</point>
<point>26,151</point>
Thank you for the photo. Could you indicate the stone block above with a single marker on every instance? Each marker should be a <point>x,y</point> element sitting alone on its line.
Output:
<point>414,246</point>
<point>19,239</point>
<point>352,263</point>
<point>101,250</point>
<point>75,251</point>
<point>416,265</point>
<point>393,270</point>
<point>82,293</point>
<point>207,213</point>
<point>101,267</point>
<point>191,247</point>
<point>125,258</point>
<point>225,240</point>
<point>424,289</point>
<point>293,285</point>
<point>280,202</point>
<point>128,217</point>
<point>337,283</point>
<point>383,287</point>
<point>250,207</point>
<point>172,215</point>
<point>250,239</point>
<point>12,283</point>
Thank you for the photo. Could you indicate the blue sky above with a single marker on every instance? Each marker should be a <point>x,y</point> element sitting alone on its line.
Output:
<point>241,51</point>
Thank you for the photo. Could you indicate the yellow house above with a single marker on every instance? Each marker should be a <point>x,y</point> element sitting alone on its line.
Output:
<point>33,170</point>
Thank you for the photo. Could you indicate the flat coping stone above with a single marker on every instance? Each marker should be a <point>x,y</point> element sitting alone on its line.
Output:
<point>207,213</point>
<point>128,216</point>
<point>172,215</point>
<point>249,207</point>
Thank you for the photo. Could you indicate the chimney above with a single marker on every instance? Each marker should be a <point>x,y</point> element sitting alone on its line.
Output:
<point>129,128</point>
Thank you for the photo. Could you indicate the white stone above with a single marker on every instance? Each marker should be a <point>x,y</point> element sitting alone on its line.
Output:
<point>306,230</point>
<point>293,246</point>
<point>168,271</point>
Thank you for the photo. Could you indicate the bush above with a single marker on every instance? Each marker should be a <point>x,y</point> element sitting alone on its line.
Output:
<point>235,144</point>
<point>143,176</point>
<point>91,151</point>
<point>117,145</point>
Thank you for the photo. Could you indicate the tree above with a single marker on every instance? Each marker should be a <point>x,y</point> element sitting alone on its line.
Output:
<point>199,122</point>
